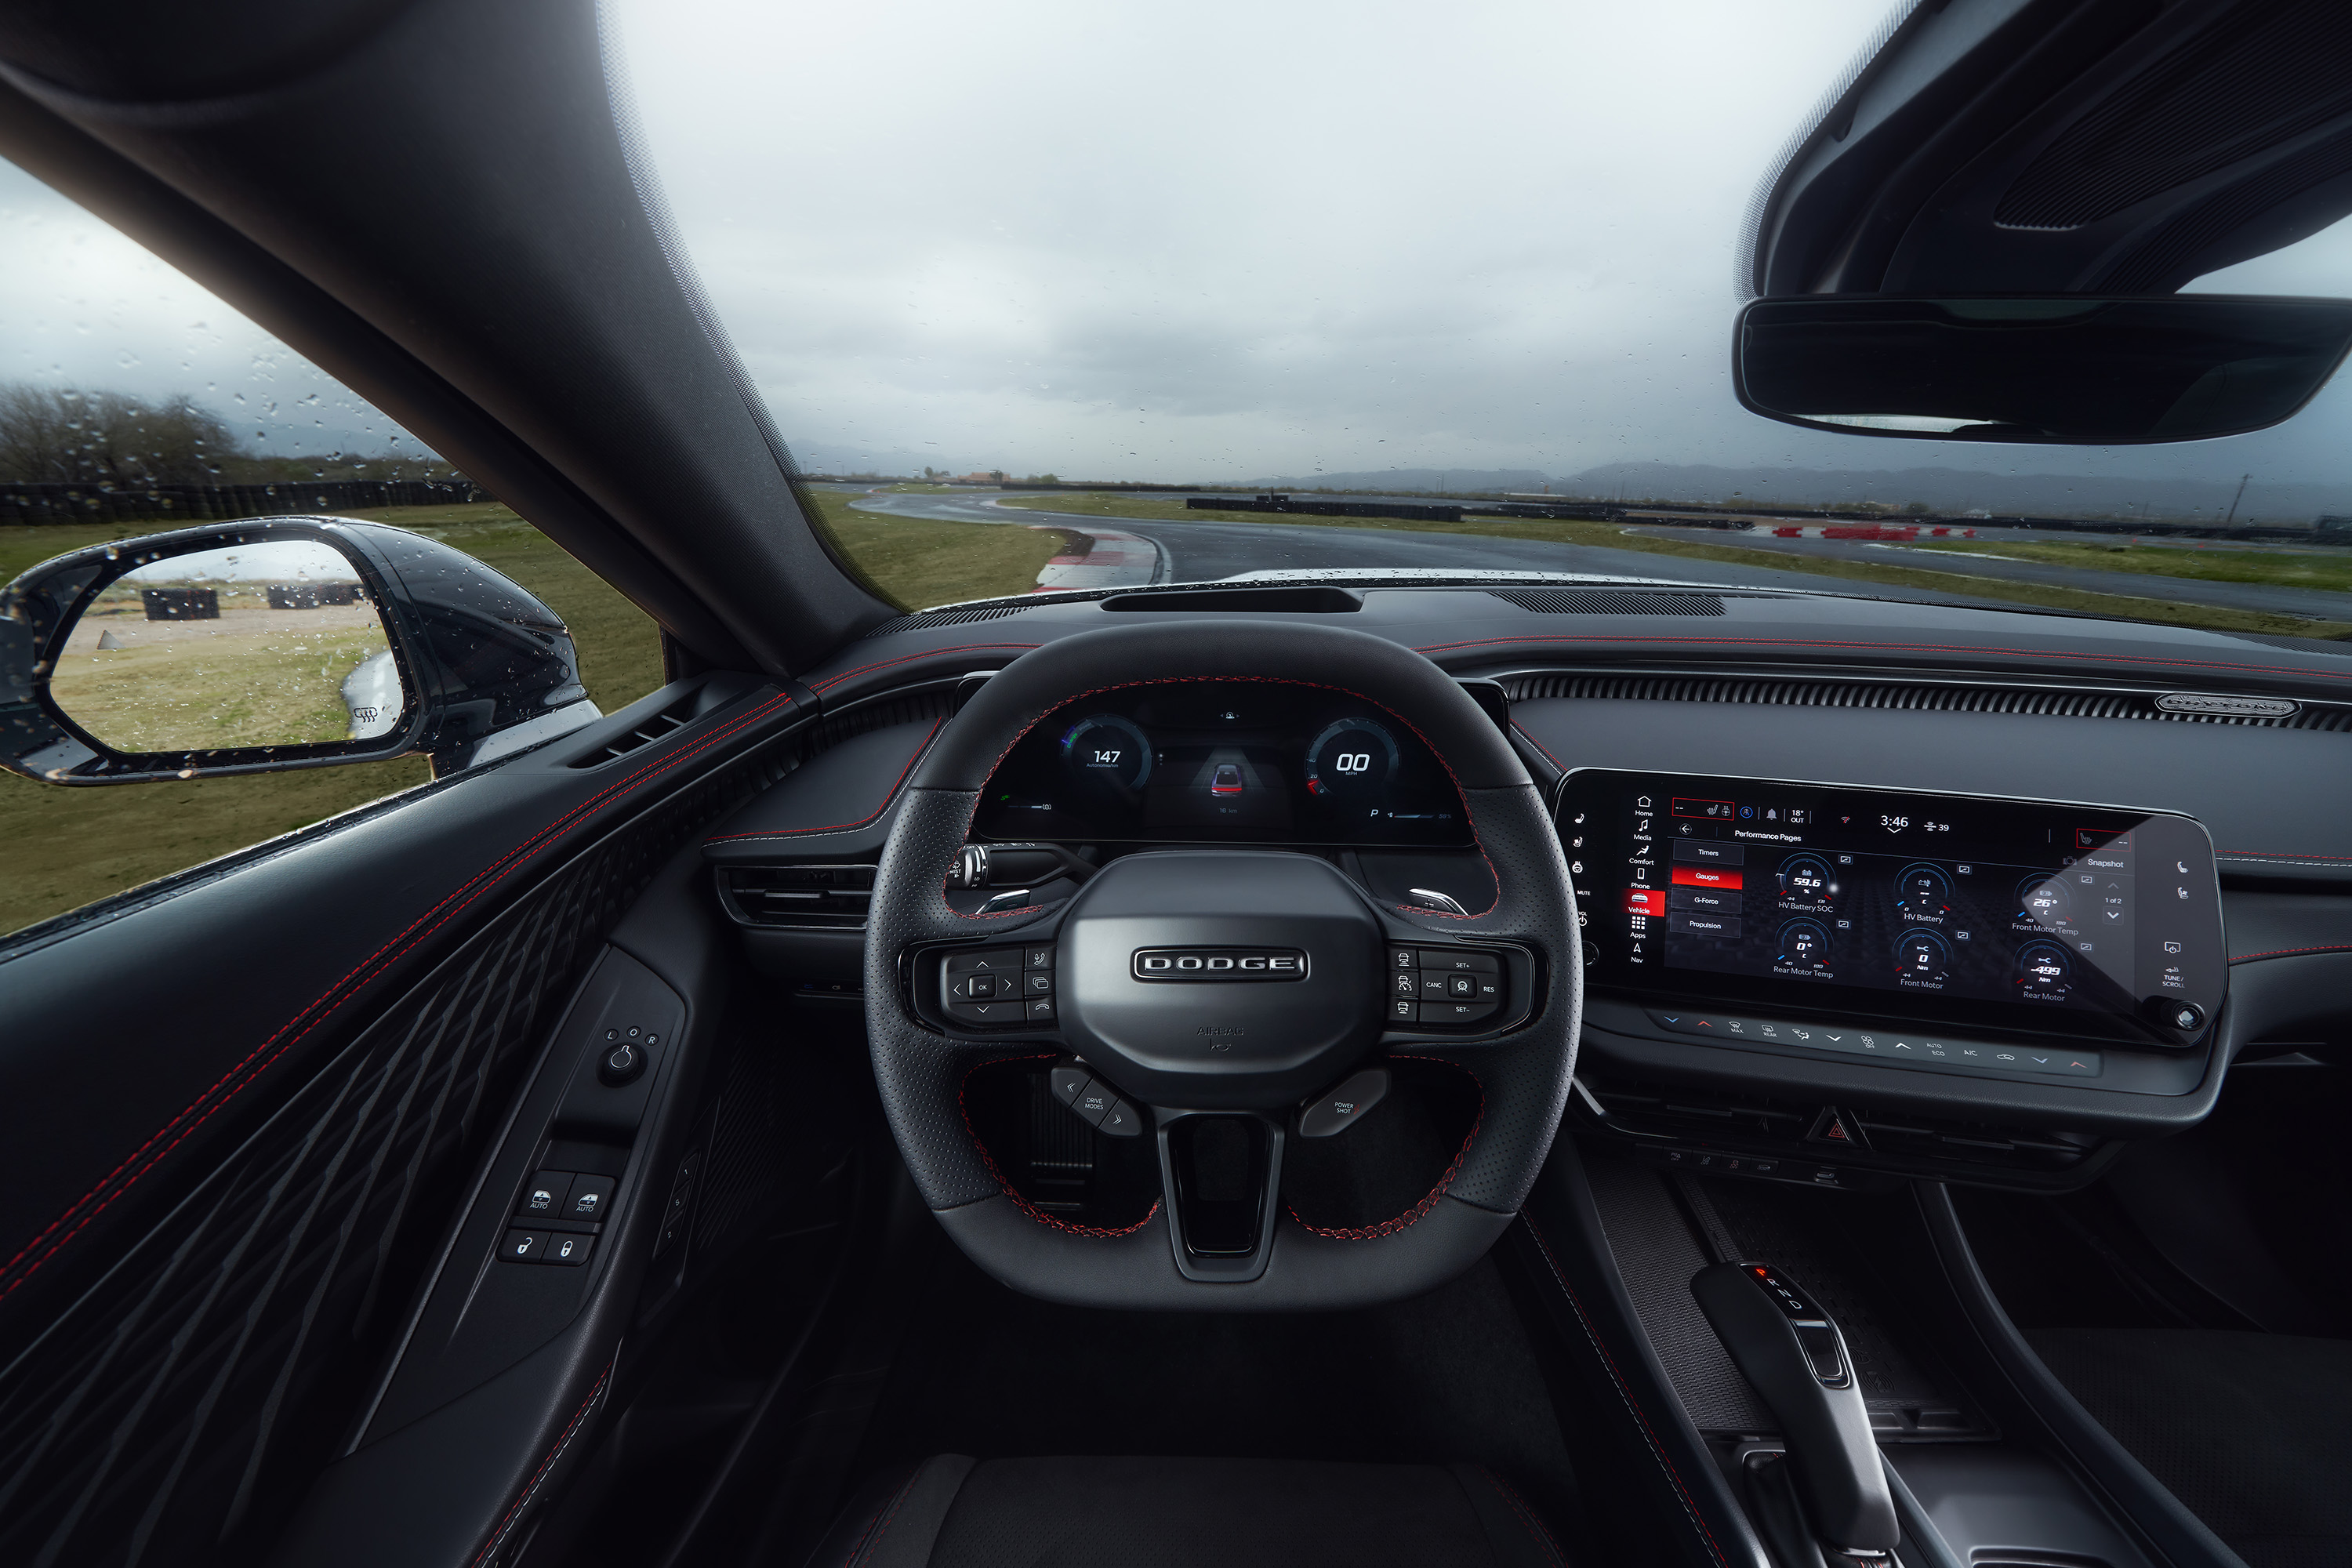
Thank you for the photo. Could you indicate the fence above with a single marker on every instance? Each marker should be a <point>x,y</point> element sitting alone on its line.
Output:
<point>171,505</point>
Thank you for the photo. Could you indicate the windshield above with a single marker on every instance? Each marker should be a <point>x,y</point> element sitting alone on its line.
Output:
<point>1052,296</point>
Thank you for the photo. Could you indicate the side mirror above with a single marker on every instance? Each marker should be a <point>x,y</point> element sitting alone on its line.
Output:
<point>2065,369</point>
<point>273,644</point>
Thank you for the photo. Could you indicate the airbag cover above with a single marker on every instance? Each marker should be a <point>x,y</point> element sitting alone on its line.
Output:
<point>1216,980</point>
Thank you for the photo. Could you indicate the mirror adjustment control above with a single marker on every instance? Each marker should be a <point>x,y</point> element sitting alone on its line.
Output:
<point>624,1062</point>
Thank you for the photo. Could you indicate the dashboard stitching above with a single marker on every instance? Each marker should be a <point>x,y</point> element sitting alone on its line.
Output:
<point>1883,646</point>
<point>1093,1232</point>
<point>2291,951</point>
<point>2283,858</point>
<point>464,894</point>
<point>930,652</point>
<point>1626,1392</point>
<point>1241,679</point>
<point>888,795</point>
<point>1429,1201</point>
<point>1517,728</point>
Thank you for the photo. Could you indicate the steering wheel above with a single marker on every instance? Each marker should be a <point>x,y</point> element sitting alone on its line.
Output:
<point>1220,990</point>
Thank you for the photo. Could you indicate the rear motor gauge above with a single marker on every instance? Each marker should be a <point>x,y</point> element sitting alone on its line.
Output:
<point>1351,757</point>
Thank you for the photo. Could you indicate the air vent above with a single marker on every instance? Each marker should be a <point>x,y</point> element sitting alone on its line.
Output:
<point>802,898</point>
<point>924,620</point>
<point>1311,600</point>
<point>2055,702</point>
<point>1610,602</point>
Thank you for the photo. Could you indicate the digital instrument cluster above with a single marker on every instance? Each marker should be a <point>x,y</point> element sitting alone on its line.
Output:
<point>1950,908</point>
<point>1223,761</point>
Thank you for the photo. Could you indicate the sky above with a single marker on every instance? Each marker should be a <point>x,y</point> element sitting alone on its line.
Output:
<point>1208,243</point>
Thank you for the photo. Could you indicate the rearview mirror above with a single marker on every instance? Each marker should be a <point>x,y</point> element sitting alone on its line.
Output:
<point>2063,369</point>
<point>274,644</point>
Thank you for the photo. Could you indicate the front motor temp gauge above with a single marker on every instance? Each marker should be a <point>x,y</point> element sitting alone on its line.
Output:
<point>1348,757</point>
<point>1108,748</point>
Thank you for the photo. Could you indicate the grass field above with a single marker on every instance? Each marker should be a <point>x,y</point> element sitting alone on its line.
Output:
<point>1613,536</point>
<point>61,847</point>
<point>916,562</point>
<point>2331,571</point>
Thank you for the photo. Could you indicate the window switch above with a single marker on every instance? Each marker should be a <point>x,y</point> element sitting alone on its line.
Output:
<point>591,1197</point>
<point>543,1199</point>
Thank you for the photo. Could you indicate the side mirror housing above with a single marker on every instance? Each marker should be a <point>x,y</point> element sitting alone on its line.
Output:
<point>274,644</point>
<point>2063,369</point>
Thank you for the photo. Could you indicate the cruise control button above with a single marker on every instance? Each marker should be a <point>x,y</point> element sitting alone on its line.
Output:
<point>1461,987</point>
<point>1344,1106</point>
<point>1405,983</point>
<point>1459,960</point>
<point>1067,1082</point>
<point>1455,1012</point>
<point>1404,1010</point>
<point>1405,958</point>
<point>1432,986</point>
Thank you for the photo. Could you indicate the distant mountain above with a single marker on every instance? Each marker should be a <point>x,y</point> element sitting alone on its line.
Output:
<point>1956,490</point>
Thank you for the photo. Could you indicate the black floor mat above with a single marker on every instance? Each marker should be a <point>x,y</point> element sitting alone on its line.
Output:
<point>1447,1377</point>
<point>2253,1432</point>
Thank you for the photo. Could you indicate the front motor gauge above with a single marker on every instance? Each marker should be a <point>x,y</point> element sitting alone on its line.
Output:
<point>1921,958</point>
<point>1350,757</point>
<point>1108,748</point>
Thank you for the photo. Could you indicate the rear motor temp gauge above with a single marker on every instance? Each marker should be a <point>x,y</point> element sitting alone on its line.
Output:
<point>1107,750</point>
<point>1351,757</point>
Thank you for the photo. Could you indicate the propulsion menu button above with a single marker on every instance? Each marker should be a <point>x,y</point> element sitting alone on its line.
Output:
<point>1723,927</point>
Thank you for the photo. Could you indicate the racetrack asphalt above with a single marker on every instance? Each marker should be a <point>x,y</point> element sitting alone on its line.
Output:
<point>1207,551</point>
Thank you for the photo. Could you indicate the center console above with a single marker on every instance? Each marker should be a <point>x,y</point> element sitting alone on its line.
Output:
<point>2044,974</point>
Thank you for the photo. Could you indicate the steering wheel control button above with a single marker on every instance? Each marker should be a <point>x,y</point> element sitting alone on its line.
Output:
<point>979,988</point>
<point>591,1199</point>
<point>1405,1010</point>
<point>1038,983</point>
<point>1121,1120</point>
<point>1405,958</point>
<point>543,1199</point>
<point>1094,1103</point>
<point>984,960</point>
<point>1457,1013</point>
<point>1405,983</point>
<point>1068,1080</point>
<point>1460,961</point>
<point>1037,958</point>
<point>1897,1047</point>
<point>1009,1010</point>
<point>991,987</point>
<point>1039,1009</point>
<point>568,1249</point>
<point>621,1063</point>
<point>522,1246</point>
<point>1344,1106</point>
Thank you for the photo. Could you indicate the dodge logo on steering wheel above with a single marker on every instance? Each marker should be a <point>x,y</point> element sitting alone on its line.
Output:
<point>1219,963</point>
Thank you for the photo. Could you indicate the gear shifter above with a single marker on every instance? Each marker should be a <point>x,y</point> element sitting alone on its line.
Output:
<point>1787,1347</point>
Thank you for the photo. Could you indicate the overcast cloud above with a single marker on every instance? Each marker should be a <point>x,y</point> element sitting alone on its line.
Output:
<point>1224,240</point>
<point>1210,242</point>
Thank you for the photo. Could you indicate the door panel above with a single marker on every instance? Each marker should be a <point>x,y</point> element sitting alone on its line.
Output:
<point>238,1116</point>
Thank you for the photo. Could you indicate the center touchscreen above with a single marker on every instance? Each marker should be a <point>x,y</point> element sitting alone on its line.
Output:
<point>1945,907</point>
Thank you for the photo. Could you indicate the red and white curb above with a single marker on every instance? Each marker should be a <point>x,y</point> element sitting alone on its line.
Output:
<point>1106,559</point>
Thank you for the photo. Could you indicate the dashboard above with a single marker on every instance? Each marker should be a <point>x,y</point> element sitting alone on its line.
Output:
<point>1241,761</point>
